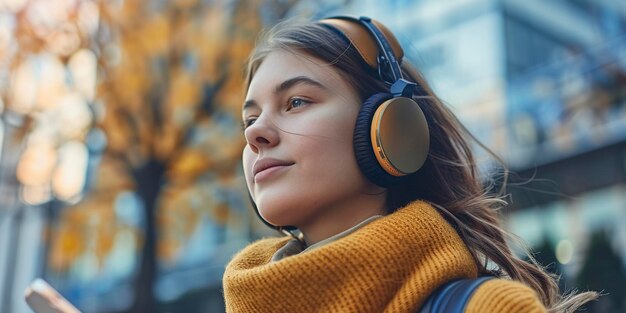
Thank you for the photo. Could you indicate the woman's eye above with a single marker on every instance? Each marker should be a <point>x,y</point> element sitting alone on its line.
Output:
<point>248,122</point>
<point>296,102</point>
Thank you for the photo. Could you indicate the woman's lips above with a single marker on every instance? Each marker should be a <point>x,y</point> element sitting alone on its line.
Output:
<point>267,167</point>
<point>267,173</point>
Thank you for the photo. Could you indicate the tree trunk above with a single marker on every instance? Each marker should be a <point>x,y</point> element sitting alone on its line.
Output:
<point>148,180</point>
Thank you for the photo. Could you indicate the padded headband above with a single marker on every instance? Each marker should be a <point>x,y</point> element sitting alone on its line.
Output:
<point>361,38</point>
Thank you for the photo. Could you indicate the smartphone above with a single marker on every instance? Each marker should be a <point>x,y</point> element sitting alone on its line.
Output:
<point>42,298</point>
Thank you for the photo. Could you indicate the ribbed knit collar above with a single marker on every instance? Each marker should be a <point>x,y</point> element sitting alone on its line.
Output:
<point>294,246</point>
<point>391,264</point>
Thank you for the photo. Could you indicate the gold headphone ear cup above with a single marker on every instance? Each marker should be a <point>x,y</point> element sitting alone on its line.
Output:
<point>396,129</point>
<point>399,136</point>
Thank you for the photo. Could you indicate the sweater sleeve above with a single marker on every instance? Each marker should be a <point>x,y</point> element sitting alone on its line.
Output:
<point>505,296</point>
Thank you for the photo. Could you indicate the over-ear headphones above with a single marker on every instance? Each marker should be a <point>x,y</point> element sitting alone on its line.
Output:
<point>391,138</point>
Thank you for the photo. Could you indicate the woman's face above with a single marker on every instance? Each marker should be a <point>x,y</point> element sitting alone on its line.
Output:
<point>299,161</point>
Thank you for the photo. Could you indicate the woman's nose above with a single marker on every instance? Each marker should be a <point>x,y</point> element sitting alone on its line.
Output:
<point>262,134</point>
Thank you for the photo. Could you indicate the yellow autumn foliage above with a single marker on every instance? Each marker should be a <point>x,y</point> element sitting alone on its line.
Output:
<point>170,85</point>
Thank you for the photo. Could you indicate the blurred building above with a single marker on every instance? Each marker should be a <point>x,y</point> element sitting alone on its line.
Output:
<point>543,84</point>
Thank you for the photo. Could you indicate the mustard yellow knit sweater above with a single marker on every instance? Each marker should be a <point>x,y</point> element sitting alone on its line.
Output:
<point>391,264</point>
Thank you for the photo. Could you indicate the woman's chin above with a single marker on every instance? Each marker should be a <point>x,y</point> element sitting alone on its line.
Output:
<point>278,217</point>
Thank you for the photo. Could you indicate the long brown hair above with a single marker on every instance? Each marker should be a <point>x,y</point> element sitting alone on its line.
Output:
<point>449,179</point>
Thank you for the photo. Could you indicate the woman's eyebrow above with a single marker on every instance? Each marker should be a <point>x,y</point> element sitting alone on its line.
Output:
<point>295,81</point>
<point>248,104</point>
<point>286,85</point>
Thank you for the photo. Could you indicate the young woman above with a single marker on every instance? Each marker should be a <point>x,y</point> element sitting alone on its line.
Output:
<point>347,144</point>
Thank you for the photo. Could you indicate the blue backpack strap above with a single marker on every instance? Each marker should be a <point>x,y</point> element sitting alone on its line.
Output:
<point>453,296</point>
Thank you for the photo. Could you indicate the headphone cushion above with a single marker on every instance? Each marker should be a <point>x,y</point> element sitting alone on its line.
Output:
<point>363,144</point>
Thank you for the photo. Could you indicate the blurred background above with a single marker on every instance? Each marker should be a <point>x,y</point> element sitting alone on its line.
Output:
<point>120,139</point>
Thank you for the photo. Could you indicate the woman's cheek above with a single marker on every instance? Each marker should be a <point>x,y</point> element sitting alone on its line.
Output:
<point>247,159</point>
